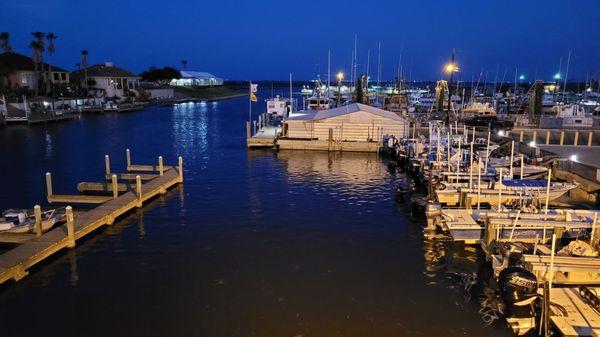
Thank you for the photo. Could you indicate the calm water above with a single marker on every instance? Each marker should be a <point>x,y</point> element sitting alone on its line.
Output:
<point>253,244</point>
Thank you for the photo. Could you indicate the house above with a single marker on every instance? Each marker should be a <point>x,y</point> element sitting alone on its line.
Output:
<point>349,123</point>
<point>197,78</point>
<point>18,71</point>
<point>107,80</point>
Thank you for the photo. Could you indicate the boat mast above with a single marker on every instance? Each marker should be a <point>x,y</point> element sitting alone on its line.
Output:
<point>378,71</point>
<point>291,96</point>
<point>328,72</point>
<point>566,75</point>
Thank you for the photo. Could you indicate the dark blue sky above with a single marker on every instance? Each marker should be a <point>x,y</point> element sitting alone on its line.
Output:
<point>270,39</point>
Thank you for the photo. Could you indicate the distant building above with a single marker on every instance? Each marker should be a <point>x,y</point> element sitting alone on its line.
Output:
<point>197,78</point>
<point>108,80</point>
<point>18,71</point>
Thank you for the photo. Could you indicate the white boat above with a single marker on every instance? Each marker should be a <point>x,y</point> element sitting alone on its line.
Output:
<point>110,106</point>
<point>573,116</point>
<point>22,221</point>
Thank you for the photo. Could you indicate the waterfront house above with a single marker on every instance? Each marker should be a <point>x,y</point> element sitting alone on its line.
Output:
<point>18,71</point>
<point>108,80</point>
<point>353,127</point>
<point>197,79</point>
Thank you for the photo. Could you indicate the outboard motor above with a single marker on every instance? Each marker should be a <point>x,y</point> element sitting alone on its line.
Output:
<point>518,287</point>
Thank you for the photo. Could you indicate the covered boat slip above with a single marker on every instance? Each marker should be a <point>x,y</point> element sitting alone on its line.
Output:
<point>345,128</point>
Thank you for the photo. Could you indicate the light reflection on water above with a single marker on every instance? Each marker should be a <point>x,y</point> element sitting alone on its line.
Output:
<point>254,242</point>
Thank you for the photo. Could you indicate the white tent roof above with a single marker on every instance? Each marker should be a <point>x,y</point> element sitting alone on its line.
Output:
<point>196,74</point>
<point>344,110</point>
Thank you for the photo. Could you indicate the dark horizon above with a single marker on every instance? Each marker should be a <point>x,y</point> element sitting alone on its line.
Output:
<point>268,40</point>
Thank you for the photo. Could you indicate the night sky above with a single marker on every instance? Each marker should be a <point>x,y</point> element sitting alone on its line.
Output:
<point>242,40</point>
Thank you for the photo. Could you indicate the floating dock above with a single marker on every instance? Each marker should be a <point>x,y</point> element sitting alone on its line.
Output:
<point>15,263</point>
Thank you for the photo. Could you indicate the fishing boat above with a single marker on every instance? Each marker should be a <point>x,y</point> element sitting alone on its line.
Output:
<point>20,221</point>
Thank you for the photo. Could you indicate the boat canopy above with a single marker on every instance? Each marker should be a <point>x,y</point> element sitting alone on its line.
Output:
<point>525,183</point>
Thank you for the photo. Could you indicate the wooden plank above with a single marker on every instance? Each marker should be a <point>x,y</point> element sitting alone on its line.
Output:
<point>15,237</point>
<point>93,187</point>
<point>147,168</point>
<point>131,176</point>
<point>581,319</point>
<point>78,199</point>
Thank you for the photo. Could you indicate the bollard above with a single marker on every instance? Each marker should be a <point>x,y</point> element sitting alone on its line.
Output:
<point>115,186</point>
<point>576,138</point>
<point>138,188</point>
<point>160,165</point>
<point>547,137</point>
<point>70,227</point>
<point>590,135</point>
<point>49,183</point>
<point>37,211</point>
<point>107,164</point>
<point>180,169</point>
<point>128,157</point>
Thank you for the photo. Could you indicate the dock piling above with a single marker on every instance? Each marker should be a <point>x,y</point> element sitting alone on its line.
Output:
<point>576,138</point>
<point>128,157</point>
<point>248,134</point>
<point>562,138</point>
<point>115,186</point>
<point>70,227</point>
<point>37,211</point>
<point>548,137</point>
<point>138,188</point>
<point>49,183</point>
<point>521,136</point>
<point>107,164</point>
<point>180,169</point>
<point>590,135</point>
<point>160,165</point>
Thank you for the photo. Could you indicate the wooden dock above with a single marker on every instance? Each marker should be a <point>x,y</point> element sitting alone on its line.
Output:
<point>15,263</point>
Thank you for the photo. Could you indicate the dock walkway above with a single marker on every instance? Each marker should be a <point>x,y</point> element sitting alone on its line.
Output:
<point>15,263</point>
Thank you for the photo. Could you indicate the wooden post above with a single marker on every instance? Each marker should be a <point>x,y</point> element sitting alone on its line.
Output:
<point>522,167</point>
<point>473,135</point>
<point>534,136</point>
<point>49,183</point>
<point>180,169</point>
<point>138,187</point>
<point>593,229</point>
<point>576,138</point>
<point>70,227</point>
<point>128,157</point>
<point>254,127</point>
<point>330,138</point>
<point>547,137</point>
<point>487,151</point>
<point>471,168</point>
<point>548,190</point>
<point>248,134</point>
<point>458,158</point>
<point>107,164</point>
<point>500,192</point>
<point>160,165</point>
<point>478,182</point>
<point>37,211</point>
<point>590,136</point>
<point>449,151</point>
<point>562,138</point>
<point>551,271</point>
<point>521,135</point>
<point>512,157</point>
<point>115,186</point>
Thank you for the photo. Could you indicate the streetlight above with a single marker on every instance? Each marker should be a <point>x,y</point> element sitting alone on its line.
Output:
<point>522,77</point>
<point>557,76</point>
<point>451,68</point>
<point>340,77</point>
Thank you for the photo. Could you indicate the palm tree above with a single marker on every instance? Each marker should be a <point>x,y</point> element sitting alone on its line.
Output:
<point>50,37</point>
<point>4,42</point>
<point>36,58</point>
<point>184,62</point>
<point>40,47</point>
<point>84,64</point>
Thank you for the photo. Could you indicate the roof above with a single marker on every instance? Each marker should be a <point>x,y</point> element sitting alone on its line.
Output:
<point>196,74</point>
<point>344,110</point>
<point>18,62</point>
<point>105,70</point>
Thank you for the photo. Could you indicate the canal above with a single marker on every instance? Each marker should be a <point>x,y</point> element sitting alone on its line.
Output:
<point>255,243</point>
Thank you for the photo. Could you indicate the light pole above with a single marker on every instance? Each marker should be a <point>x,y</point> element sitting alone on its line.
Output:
<point>340,77</point>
